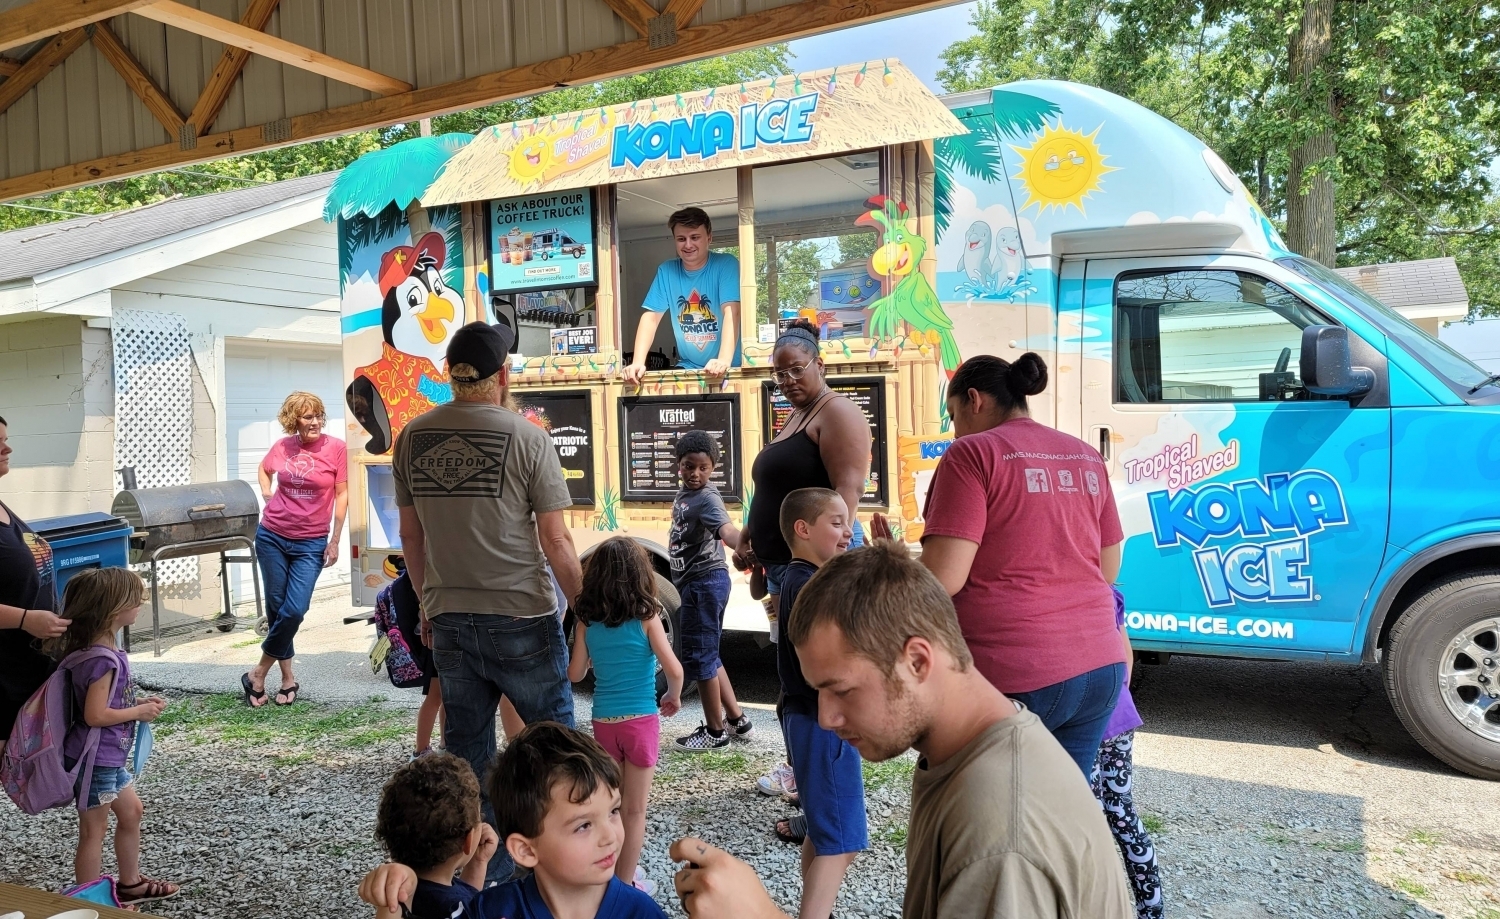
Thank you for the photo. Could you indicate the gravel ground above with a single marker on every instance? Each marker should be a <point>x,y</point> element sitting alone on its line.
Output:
<point>1273,789</point>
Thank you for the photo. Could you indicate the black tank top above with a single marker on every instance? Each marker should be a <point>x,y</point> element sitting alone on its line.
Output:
<point>781,468</point>
<point>26,578</point>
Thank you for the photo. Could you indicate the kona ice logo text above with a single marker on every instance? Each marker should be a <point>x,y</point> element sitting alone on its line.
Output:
<point>1303,503</point>
<point>707,134</point>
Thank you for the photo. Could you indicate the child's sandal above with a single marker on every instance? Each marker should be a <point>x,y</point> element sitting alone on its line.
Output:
<point>146,889</point>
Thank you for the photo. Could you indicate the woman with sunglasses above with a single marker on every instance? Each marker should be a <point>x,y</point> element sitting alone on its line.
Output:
<point>294,542</point>
<point>825,443</point>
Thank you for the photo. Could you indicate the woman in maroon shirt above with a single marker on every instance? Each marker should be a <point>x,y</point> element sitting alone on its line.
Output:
<point>1021,528</point>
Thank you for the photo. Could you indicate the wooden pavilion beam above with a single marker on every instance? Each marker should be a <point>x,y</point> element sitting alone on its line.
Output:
<point>41,18</point>
<point>8,66</point>
<point>684,10</point>
<point>136,77</point>
<point>40,64</point>
<point>169,12</point>
<point>778,24</point>
<point>636,13</point>
<point>231,63</point>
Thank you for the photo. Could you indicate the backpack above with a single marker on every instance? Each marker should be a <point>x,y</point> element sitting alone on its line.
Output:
<point>33,770</point>
<point>400,663</point>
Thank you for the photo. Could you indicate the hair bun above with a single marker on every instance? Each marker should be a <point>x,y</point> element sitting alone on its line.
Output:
<point>803,324</point>
<point>1028,375</point>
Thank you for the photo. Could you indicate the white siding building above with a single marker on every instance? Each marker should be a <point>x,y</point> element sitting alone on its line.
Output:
<point>236,294</point>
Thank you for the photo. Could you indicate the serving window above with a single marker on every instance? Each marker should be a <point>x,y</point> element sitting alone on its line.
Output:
<point>641,212</point>
<point>811,257</point>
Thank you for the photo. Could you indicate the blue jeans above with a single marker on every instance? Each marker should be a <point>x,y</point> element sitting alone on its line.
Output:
<point>1077,710</point>
<point>701,623</point>
<point>481,657</point>
<point>289,570</point>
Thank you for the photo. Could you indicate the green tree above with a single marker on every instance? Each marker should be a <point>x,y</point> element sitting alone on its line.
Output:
<point>1366,129</point>
<point>336,153</point>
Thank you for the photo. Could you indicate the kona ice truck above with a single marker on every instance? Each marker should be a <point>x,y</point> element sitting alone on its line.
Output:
<point>1301,472</point>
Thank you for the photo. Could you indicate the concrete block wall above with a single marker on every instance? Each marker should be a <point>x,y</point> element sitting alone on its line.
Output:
<point>57,393</point>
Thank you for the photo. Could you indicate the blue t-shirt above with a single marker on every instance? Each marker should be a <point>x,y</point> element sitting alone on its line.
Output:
<point>624,669</point>
<point>441,901</point>
<point>695,300</point>
<point>522,900</point>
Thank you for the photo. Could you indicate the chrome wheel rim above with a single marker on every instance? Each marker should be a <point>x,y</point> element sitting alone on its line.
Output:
<point>1469,678</point>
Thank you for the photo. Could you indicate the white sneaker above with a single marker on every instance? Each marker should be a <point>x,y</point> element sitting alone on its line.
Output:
<point>779,782</point>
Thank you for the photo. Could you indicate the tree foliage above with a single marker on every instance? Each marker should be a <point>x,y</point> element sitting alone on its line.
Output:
<point>336,153</point>
<point>1411,93</point>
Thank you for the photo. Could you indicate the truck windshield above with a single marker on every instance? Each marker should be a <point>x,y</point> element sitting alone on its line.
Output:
<point>1458,372</point>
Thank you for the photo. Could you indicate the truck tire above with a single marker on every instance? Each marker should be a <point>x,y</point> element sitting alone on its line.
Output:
<point>1442,671</point>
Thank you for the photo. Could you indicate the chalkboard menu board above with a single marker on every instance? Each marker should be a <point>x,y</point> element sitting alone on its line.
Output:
<point>869,395</point>
<point>567,415</point>
<point>651,426</point>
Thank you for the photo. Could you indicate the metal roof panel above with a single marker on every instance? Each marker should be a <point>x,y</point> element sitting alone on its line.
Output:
<point>37,250</point>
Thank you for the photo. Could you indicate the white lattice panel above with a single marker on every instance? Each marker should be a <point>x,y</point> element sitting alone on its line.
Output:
<point>154,410</point>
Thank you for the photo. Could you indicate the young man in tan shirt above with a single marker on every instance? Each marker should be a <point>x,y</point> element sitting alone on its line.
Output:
<point>1002,822</point>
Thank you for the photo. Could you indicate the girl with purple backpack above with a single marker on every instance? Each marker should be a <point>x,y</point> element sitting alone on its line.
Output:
<point>98,603</point>
<point>1112,780</point>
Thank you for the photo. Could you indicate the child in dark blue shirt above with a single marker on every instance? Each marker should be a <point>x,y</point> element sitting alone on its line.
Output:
<point>429,822</point>
<point>556,795</point>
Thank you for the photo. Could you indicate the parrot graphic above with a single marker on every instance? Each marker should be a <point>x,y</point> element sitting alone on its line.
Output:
<point>913,300</point>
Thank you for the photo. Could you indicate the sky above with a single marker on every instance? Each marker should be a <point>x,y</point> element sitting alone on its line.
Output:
<point>917,39</point>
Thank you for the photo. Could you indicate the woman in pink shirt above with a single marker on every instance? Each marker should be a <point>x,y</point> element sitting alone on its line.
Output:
<point>1021,528</point>
<point>294,542</point>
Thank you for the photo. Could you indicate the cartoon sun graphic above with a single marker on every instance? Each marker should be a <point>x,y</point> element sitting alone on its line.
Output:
<point>1061,167</point>
<point>530,158</point>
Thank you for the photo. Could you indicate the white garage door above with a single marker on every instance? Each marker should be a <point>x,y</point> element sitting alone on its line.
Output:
<point>257,377</point>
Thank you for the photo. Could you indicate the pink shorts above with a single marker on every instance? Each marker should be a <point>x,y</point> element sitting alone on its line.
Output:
<point>636,741</point>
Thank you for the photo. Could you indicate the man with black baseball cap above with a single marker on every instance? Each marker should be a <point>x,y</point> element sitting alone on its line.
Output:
<point>479,347</point>
<point>481,495</point>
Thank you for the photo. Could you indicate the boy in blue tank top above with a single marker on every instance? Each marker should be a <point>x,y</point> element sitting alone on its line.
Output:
<point>701,576</point>
<point>620,634</point>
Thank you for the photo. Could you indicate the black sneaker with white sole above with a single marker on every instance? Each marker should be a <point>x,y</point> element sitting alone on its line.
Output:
<point>702,740</point>
<point>740,728</point>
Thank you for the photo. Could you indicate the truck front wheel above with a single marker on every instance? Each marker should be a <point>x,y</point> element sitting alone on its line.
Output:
<point>1442,671</point>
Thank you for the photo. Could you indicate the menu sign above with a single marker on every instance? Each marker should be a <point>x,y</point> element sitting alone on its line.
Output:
<point>542,241</point>
<point>567,416</point>
<point>651,426</point>
<point>869,395</point>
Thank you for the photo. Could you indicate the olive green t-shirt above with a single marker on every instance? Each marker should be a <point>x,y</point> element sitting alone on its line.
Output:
<point>1007,827</point>
<point>476,473</point>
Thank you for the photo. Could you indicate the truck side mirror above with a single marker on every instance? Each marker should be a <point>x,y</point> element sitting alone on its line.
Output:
<point>1325,363</point>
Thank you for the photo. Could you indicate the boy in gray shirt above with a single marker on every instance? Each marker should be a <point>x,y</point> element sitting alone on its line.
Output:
<point>699,522</point>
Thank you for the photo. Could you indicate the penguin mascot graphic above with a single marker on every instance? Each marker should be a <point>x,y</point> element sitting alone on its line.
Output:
<point>419,313</point>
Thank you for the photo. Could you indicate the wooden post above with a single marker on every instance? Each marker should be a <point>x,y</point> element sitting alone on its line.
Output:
<point>472,225</point>
<point>773,281</point>
<point>745,180</point>
<point>606,312</point>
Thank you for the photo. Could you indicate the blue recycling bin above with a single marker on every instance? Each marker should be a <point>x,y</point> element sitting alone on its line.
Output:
<point>80,541</point>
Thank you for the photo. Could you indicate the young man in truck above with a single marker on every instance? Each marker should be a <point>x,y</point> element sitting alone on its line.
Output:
<point>701,291</point>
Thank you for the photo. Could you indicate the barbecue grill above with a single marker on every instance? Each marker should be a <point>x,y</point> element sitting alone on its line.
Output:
<point>187,520</point>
